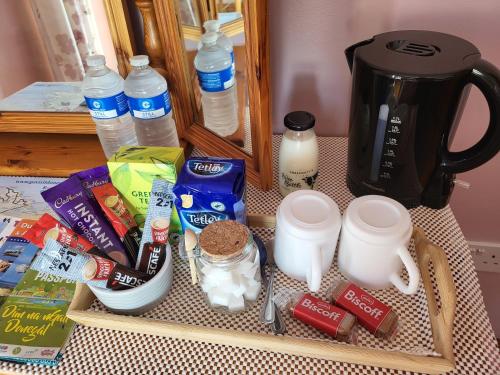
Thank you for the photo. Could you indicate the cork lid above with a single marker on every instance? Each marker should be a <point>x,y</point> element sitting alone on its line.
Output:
<point>223,239</point>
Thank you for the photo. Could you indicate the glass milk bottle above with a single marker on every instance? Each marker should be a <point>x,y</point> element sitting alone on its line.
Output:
<point>298,159</point>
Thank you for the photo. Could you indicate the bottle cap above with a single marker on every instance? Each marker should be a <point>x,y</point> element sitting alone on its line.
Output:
<point>211,25</point>
<point>139,60</point>
<point>299,120</point>
<point>96,60</point>
<point>209,38</point>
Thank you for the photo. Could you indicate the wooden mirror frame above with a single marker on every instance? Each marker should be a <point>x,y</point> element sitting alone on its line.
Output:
<point>259,164</point>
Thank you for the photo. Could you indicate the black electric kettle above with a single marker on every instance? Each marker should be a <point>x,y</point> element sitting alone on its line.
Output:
<point>408,92</point>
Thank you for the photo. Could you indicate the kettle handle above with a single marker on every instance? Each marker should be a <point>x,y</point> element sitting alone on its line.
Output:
<point>487,78</point>
<point>349,52</point>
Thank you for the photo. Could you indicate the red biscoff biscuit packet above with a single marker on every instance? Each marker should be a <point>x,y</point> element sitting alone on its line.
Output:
<point>313,311</point>
<point>377,317</point>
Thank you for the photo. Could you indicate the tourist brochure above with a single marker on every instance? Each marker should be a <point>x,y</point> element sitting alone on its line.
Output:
<point>16,255</point>
<point>33,323</point>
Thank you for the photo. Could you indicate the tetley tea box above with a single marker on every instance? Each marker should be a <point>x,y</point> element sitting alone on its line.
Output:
<point>210,189</point>
<point>133,170</point>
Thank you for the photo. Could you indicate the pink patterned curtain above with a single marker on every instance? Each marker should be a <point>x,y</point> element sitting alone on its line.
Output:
<point>69,34</point>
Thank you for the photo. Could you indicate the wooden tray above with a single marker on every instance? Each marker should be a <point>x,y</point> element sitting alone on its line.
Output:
<point>440,315</point>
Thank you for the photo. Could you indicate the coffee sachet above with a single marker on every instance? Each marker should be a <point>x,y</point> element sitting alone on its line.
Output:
<point>153,248</point>
<point>59,260</point>
<point>71,202</point>
<point>119,217</point>
<point>47,227</point>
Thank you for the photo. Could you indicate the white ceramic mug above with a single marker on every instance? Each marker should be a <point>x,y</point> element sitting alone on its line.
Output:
<point>376,231</point>
<point>307,229</point>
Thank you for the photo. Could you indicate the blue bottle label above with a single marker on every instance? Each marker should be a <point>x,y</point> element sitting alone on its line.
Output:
<point>149,108</point>
<point>216,81</point>
<point>106,108</point>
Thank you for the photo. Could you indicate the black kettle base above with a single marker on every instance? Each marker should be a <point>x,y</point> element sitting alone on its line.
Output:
<point>359,190</point>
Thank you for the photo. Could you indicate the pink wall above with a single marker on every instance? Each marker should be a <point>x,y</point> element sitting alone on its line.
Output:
<point>22,60</point>
<point>309,72</point>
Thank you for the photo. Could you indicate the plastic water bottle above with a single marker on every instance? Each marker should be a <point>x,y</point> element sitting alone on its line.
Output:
<point>103,92</point>
<point>222,39</point>
<point>149,104</point>
<point>218,87</point>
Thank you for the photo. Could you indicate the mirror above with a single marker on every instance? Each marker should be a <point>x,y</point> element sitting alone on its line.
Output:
<point>169,33</point>
<point>245,22</point>
<point>66,34</point>
<point>233,125</point>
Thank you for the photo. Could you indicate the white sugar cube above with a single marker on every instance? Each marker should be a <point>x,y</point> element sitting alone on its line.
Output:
<point>206,269</point>
<point>252,290</point>
<point>218,297</point>
<point>236,303</point>
<point>245,267</point>
<point>218,276</point>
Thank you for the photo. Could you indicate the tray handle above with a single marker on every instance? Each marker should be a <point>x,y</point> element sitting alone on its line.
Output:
<point>441,319</point>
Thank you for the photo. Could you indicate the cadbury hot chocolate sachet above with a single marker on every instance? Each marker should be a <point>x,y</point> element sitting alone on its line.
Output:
<point>58,260</point>
<point>153,249</point>
<point>119,217</point>
<point>90,178</point>
<point>71,202</point>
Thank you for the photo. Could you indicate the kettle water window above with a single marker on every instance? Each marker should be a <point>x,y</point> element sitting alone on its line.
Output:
<point>378,146</point>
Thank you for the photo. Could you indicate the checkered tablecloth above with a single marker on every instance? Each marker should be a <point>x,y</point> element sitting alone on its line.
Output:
<point>100,351</point>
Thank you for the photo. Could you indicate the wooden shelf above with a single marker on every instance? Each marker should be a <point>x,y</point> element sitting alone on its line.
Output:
<point>46,122</point>
<point>56,155</point>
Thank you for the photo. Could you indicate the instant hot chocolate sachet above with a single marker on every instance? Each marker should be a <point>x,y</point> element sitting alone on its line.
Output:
<point>71,202</point>
<point>91,178</point>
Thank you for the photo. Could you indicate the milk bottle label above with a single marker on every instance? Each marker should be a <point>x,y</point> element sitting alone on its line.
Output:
<point>106,108</point>
<point>216,81</point>
<point>292,180</point>
<point>150,108</point>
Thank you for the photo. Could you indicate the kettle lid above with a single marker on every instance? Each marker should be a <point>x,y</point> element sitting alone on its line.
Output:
<point>418,53</point>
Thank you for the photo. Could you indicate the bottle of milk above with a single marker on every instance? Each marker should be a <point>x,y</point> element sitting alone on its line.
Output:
<point>298,158</point>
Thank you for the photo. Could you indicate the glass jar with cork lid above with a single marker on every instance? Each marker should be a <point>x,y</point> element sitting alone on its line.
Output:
<point>228,266</point>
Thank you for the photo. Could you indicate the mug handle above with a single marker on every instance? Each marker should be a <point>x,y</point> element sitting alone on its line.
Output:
<point>413,273</point>
<point>314,273</point>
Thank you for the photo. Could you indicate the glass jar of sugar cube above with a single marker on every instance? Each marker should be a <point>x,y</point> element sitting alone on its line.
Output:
<point>228,266</point>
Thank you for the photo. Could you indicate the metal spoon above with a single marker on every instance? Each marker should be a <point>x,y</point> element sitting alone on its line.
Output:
<point>278,325</point>
<point>267,310</point>
<point>267,315</point>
